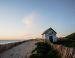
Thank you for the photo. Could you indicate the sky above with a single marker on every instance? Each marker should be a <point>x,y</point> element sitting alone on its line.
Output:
<point>25,19</point>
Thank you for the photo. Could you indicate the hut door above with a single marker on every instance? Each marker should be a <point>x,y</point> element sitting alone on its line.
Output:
<point>51,38</point>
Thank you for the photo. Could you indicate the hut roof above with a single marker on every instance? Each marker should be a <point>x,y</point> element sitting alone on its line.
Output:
<point>48,30</point>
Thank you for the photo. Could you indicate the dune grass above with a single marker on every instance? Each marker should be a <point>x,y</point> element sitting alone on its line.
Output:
<point>44,50</point>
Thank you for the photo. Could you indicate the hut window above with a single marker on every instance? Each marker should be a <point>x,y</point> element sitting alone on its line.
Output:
<point>52,32</point>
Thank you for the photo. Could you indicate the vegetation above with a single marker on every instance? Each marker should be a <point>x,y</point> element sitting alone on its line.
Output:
<point>71,36</point>
<point>44,50</point>
<point>68,41</point>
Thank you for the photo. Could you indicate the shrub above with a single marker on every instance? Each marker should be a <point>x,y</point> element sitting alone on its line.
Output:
<point>44,50</point>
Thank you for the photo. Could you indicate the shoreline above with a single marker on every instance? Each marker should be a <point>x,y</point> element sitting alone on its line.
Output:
<point>23,50</point>
<point>5,47</point>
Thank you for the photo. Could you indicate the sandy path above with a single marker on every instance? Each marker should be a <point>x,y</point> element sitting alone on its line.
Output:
<point>19,51</point>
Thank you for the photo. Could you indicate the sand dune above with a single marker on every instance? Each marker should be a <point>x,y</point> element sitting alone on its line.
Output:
<point>21,51</point>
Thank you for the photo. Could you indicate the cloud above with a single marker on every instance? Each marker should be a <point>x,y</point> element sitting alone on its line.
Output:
<point>29,19</point>
<point>31,22</point>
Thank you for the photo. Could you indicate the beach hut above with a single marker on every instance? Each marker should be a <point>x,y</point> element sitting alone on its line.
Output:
<point>50,35</point>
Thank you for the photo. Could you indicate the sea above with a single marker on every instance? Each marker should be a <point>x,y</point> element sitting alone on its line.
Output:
<point>8,41</point>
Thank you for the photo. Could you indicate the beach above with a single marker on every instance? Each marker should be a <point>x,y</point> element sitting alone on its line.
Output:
<point>20,51</point>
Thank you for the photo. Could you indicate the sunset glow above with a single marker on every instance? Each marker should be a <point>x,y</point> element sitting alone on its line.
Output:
<point>24,19</point>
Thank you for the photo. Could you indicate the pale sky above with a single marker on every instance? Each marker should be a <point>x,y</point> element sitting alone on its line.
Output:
<point>25,19</point>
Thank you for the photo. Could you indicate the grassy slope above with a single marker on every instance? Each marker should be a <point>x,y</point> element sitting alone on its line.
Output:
<point>68,41</point>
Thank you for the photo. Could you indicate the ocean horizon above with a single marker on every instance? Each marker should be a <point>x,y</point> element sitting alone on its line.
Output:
<point>8,41</point>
